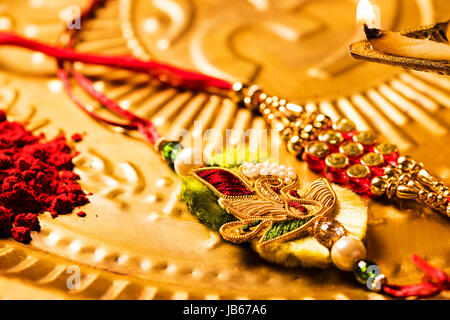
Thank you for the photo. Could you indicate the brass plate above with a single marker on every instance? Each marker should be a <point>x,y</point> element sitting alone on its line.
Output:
<point>138,241</point>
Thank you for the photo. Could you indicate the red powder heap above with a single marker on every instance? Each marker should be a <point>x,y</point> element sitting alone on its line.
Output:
<point>35,176</point>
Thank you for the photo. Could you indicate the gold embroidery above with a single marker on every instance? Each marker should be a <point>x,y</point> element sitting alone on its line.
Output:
<point>271,202</point>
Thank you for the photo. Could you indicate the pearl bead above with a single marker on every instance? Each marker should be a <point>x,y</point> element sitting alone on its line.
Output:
<point>292,175</point>
<point>258,166</point>
<point>266,164</point>
<point>282,174</point>
<point>282,167</point>
<point>252,173</point>
<point>287,181</point>
<point>264,172</point>
<point>346,252</point>
<point>187,160</point>
<point>274,171</point>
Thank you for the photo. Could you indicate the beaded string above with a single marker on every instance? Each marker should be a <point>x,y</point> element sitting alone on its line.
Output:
<point>434,282</point>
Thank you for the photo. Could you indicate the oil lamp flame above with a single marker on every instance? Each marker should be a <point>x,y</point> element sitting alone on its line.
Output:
<point>365,14</point>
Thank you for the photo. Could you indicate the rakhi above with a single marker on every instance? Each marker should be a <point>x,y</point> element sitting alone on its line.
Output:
<point>261,202</point>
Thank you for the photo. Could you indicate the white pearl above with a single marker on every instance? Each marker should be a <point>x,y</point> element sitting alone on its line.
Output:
<point>252,173</point>
<point>290,169</point>
<point>281,174</point>
<point>287,181</point>
<point>258,166</point>
<point>274,166</point>
<point>291,175</point>
<point>264,172</point>
<point>187,160</point>
<point>274,171</point>
<point>346,252</point>
<point>266,164</point>
<point>282,167</point>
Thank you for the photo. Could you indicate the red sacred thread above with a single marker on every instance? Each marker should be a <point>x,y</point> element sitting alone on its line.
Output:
<point>35,176</point>
<point>163,72</point>
<point>434,281</point>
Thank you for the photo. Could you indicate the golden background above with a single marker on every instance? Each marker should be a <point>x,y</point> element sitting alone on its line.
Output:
<point>138,241</point>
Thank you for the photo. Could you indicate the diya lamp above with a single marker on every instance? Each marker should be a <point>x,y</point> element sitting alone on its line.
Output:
<point>425,48</point>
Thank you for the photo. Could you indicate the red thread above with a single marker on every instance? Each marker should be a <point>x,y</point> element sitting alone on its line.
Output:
<point>434,281</point>
<point>163,72</point>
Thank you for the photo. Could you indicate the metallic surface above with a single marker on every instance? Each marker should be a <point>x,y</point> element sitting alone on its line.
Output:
<point>138,240</point>
<point>363,50</point>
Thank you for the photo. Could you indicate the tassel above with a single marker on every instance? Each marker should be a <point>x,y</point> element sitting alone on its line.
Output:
<point>434,281</point>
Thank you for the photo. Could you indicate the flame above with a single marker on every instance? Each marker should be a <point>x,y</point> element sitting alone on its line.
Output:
<point>365,13</point>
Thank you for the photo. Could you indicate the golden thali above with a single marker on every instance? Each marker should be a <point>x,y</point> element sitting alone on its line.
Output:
<point>138,241</point>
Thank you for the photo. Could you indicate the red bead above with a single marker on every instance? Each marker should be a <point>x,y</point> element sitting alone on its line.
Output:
<point>375,162</point>
<point>391,158</point>
<point>314,155</point>
<point>359,178</point>
<point>348,135</point>
<point>346,128</point>
<point>338,176</point>
<point>315,164</point>
<point>359,185</point>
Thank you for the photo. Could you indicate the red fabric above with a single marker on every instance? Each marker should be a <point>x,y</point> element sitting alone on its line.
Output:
<point>225,182</point>
<point>297,206</point>
<point>434,281</point>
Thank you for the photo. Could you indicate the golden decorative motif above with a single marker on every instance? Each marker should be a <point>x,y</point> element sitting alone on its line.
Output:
<point>258,212</point>
<point>409,180</point>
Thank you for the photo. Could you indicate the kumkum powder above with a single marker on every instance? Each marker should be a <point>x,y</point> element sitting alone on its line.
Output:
<point>35,176</point>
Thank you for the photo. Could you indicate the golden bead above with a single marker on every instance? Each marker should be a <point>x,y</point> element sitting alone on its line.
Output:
<point>351,148</point>
<point>406,163</point>
<point>385,148</point>
<point>372,159</point>
<point>378,186</point>
<point>358,171</point>
<point>317,149</point>
<point>295,145</point>
<point>365,138</point>
<point>344,125</point>
<point>331,137</point>
<point>337,160</point>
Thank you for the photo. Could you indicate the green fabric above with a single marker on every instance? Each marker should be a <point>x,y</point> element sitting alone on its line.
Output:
<point>202,202</point>
<point>250,225</point>
<point>235,157</point>
<point>283,227</point>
